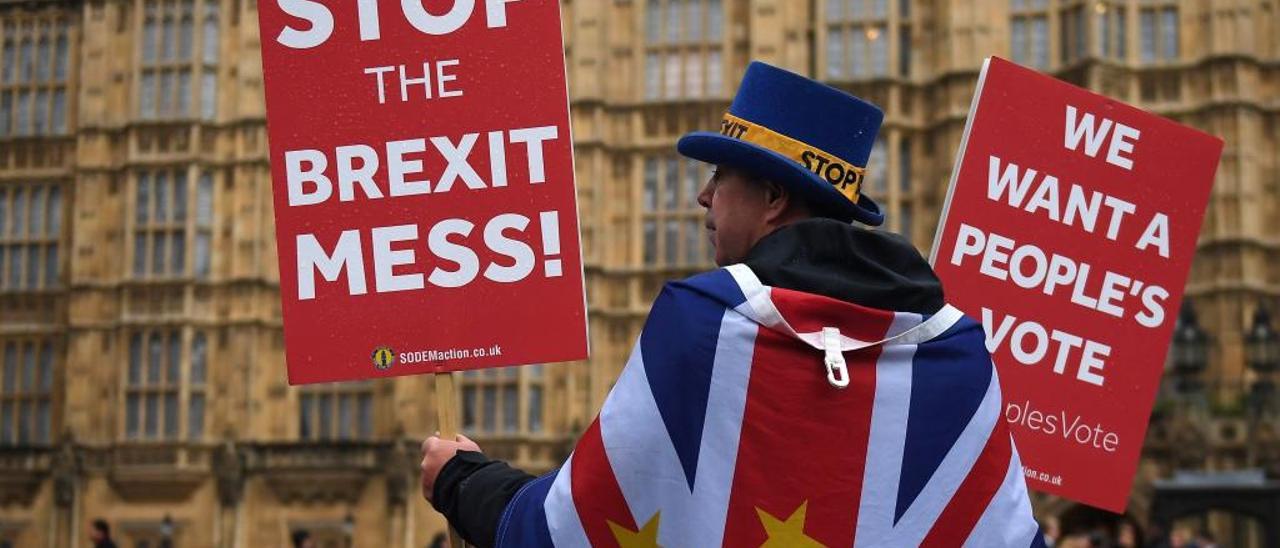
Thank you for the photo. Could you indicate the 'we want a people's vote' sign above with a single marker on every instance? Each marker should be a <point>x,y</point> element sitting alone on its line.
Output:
<point>1069,229</point>
<point>422,170</point>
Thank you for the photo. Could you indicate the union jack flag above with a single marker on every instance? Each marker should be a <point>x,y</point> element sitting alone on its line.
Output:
<point>724,429</point>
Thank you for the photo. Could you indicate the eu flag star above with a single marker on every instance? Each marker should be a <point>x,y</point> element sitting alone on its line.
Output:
<point>646,537</point>
<point>786,533</point>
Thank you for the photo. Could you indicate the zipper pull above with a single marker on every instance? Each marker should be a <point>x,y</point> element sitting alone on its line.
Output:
<point>837,371</point>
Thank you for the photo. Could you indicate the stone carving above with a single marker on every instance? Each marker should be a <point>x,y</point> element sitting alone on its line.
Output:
<point>65,469</point>
<point>229,471</point>
<point>399,468</point>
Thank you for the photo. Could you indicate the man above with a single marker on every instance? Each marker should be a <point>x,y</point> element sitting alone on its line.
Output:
<point>100,534</point>
<point>815,391</point>
<point>302,539</point>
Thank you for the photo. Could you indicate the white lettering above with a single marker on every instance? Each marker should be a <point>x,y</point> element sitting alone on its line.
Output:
<point>998,182</point>
<point>349,174</point>
<point>496,13</point>
<point>317,14</point>
<point>296,177</point>
<point>1084,128</point>
<point>442,78</point>
<point>519,251</point>
<point>398,168</point>
<point>428,23</point>
<point>369,25</point>
<point>533,138</point>
<point>346,255</point>
<point>456,156</point>
<point>386,259</point>
<point>461,255</point>
<point>1120,143</point>
<point>1157,234</point>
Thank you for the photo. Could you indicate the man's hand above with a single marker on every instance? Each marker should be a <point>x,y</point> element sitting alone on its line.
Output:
<point>435,453</point>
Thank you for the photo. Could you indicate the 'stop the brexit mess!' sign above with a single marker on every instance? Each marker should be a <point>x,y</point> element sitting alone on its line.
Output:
<point>422,170</point>
<point>1069,230</point>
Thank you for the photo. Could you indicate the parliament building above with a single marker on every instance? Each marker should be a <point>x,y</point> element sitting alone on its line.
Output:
<point>142,374</point>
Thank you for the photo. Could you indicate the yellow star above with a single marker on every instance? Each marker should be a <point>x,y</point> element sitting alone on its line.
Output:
<point>646,537</point>
<point>789,533</point>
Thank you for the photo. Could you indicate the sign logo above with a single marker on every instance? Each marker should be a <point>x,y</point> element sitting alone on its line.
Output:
<point>383,358</point>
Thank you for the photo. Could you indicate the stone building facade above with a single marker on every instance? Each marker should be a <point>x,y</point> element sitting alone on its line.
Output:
<point>141,361</point>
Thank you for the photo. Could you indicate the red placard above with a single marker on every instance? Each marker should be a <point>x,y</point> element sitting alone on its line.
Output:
<point>1069,229</point>
<point>422,168</point>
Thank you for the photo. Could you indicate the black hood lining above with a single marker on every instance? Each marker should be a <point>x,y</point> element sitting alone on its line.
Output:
<point>870,268</point>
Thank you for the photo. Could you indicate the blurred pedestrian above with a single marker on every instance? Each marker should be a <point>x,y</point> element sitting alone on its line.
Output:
<point>1129,535</point>
<point>100,534</point>
<point>302,539</point>
<point>1052,531</point>
<point>1204,539</point>
<point>1182,537</point>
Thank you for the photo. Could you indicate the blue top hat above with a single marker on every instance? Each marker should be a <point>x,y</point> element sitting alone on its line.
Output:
<point>807,136</point>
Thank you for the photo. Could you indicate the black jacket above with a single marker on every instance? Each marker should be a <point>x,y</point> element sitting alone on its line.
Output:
<point>820,256</point>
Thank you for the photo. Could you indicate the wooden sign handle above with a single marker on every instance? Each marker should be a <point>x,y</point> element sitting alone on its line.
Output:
<point>447,422</point>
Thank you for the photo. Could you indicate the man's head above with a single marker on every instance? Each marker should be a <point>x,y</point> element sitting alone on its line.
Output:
<point>798,148</point>
<point>100,531</point>
<point>742,208</point>
<point>302,539</point>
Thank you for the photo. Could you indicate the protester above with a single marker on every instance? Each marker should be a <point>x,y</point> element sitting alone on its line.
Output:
<point>100,534</point>
<point>1128,534</point>
<point>438,541</point>
<point>815,390</point>
<point>302,539</point>
<point>1204,539</point>
<point>1052,530</point>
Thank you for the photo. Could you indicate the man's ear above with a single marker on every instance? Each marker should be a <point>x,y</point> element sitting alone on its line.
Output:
<point>776,200</point>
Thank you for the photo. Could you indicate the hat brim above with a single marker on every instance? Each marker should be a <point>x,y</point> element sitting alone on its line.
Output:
<point>714,148</point>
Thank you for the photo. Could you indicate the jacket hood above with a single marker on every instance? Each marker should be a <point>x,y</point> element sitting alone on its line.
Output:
<point>871,268</point>
<point>828,325</point>
<point>835,287</point>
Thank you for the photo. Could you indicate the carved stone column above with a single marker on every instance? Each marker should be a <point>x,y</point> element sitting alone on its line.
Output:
<point>229,472</point>
<point>66,470</point>
<point>399,464</point>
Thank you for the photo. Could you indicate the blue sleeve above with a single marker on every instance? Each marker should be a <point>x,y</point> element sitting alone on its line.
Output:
<point>524,522</point>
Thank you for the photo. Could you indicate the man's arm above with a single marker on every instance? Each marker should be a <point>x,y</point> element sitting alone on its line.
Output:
<point>474,492</point>
<point>470,489</point>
